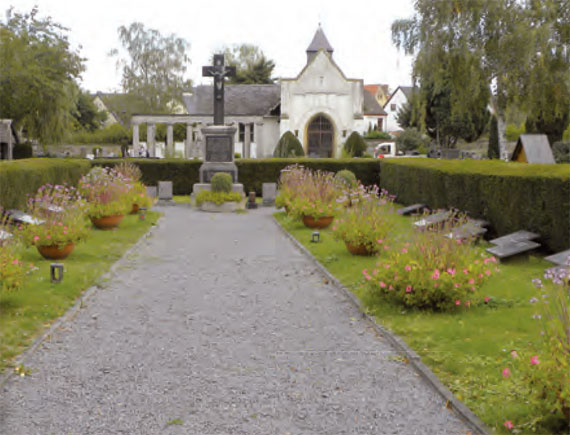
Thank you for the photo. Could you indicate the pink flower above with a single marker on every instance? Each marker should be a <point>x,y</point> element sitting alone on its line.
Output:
<point>476,262</point>
<point>514,354</point>
<point>36,238</point>
<point>408,268</point>
<point>435,274</point>
<point>15,261</point>
<point>404,251</point>
<point>60,224</point>
<point>390,287</point>
<point>456,285</point>
<point>409,289</point>
<point>375,272</point>
<point>386,266</point>
<point>48,237</point>
<point>380,241</point>
<point>334,228</point>
<point>435,284</point>
<point>386,247</point>
<point>465,271</point>
<point>368,277</point>
<point>65,228</point>
<point>534,360</point>
<point>382,284</point>
<point>487,299</point>
<point>471,281</point>
<point>480,275</point>
<point>457,302</point>
<point>509,424</point>
<point>488,272</point>
<point>364,272</point>
<point>451,271</point>
<point>506,372</point>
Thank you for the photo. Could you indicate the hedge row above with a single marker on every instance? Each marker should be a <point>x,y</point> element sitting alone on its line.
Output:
<point>511,196</point>
<point>18,178</point>
<point>251,172</point>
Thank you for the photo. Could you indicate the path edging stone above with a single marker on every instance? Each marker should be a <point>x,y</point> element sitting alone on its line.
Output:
<point>451,401</point>
<point>76,307</point>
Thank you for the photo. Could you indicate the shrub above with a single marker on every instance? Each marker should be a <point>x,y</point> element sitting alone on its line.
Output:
<point>561,151</point>
<point>288,146</point>
<point>493,147</point>
<point>511,196</point>
<point>217,197</point>
<point>20,178</point>
<point>23,151</point>
<point>410,139</point>
<point>375,134</point>
<point>113,134</point>
<point>222,182</point>
<point>355,145</point>
<point>512,132</point>
<point>106,191</point>
<point>346,178</point>
<point>366,223</point>
<point>314,194</point>
<point>129,170</point>
<point>237,155</point>
<point>431,272</point>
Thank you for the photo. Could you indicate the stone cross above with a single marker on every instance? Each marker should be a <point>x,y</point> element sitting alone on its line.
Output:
<point>219,72</point>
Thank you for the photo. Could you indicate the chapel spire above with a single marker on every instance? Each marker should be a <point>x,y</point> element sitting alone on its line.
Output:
<point>319,42</point>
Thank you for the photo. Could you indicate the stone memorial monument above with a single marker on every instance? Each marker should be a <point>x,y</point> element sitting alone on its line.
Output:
<point>219,138</point>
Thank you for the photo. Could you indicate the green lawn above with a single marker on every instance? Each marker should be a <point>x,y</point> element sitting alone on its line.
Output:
<point>467,350</point>
<point>26,313</point>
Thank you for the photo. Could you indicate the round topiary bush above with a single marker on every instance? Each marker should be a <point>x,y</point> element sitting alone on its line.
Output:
<point>288,146</point>
<point>222,182</point>
<point>346,177</point>
<point>355,145</point>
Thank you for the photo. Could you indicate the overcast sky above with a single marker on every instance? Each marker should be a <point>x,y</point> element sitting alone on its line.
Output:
<point>358,30</point>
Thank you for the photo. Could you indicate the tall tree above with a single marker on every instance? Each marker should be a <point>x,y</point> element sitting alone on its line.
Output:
<point>491,39</point>
<point>252,66</point>
<point>493,147</point>
<point>86,114</point>
<point>38,69</point>
<point>155,66</point>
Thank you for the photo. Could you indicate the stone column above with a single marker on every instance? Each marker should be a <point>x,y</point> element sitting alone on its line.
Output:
<point>169,141</point>
<point>247,141</point>
<point>260,152</point>
<point>136,145</point>
<point>150,145</point>
<point>188,143</point>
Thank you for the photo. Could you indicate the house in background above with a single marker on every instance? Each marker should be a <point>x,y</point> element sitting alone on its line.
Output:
<point>394,103</point>
<point>533,148</point>
<point>379,91</point>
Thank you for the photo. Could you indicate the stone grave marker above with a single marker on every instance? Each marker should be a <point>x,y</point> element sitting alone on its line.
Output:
<point>20,217</point>
<point>4,236</point>
<point>411,209</point>
<point>513,247</point>
<point>152,191</point>
<point>467,231</point>
<point>165,190</point>
<point>515,237</point>
<point>560,258</point>
<point>433,220</point>
<point>268,192</point>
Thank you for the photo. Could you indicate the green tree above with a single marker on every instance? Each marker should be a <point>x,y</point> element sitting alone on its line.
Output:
<point>288,146</point>
<point>155,67</point>
<point>493,148</point>
<point>252,66</point>
<point>38,69</point>
<point>355,146</point>
<point>86,113</point>
<point>489,41</point>
<point>410,139</point>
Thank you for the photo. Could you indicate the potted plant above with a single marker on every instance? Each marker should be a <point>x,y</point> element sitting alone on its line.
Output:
<point>64,223</point>
<point>140,197</point>
<point>220,198</point>
<point>365,225</point>
<point>108,197</point>
<point>290,181</point>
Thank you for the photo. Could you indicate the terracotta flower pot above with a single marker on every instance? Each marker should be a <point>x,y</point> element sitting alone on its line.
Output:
<point>53,252</point>
<point>135,209</point>
<point>107,222</point>
<point>358,249</point>
<point>321,222</point>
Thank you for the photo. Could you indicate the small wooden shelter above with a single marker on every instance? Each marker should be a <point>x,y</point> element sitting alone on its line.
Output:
<point>533,148</point>
<point>6,147</point>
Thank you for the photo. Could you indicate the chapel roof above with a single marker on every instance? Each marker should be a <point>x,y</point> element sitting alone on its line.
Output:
<point>319,42</point>
<point>239,100</point>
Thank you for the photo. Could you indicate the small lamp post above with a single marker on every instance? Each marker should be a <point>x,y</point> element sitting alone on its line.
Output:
<point>315,237</point>
<point>142,215</point>
<point>56,272</point>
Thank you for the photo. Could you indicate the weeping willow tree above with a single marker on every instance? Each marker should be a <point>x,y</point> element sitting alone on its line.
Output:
<point>460,44</point>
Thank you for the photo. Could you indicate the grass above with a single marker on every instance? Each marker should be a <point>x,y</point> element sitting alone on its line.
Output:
<point>26,313</point>
<point>467,350</point>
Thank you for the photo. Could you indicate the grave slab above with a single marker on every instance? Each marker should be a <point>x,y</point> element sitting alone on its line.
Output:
<point>433,220</point>
<point>515,237</point>
<point>467,231</point>
<point>165,190</point>
<point>509,249</point>
<point>4,236</point>
<point>415,208</point>
<point>268,193</point>
<point>20,217</point>
<point>560,258</point>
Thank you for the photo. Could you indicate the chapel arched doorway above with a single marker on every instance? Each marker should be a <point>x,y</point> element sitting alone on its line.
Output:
<point>320,137</point>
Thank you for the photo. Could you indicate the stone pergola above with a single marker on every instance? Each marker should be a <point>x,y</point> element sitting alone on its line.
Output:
<point>192,146</point>
<point>6,138</point>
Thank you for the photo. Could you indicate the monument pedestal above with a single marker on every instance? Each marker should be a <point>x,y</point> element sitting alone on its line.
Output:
<point>219,140</point>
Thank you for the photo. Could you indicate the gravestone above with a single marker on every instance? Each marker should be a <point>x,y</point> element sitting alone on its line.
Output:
<point>152,191</point>
<point>19,217</point>
<point>411,209</point>
<point>165,190</point>
<point>450,153</point>
<point>513,247</point>
<point>519,236</point>
<point>561,258</point>
<point>469,230</point>
<point>268,192</point>
<point>433,220</point>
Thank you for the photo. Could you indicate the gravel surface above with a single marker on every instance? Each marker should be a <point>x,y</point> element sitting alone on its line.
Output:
<point>219,325</point>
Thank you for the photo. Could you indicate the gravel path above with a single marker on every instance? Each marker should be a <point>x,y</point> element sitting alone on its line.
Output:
<point>220,326</point>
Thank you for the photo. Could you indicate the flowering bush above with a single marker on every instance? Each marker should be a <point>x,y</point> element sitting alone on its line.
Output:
<point>547,373</point>
<point>63,214</point>
<point>367,223</point>
<point>129,171</point>
<point>139,195</point>
<point>12,271</point>
<point>290,182</point>
<point>431,271</point>
<point>315,195</point>
<point>108,193</point>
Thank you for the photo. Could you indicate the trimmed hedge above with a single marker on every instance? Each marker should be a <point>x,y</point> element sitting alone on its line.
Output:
<point>511,196</point>
<point>18,178</point>
<point>251,172</point>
